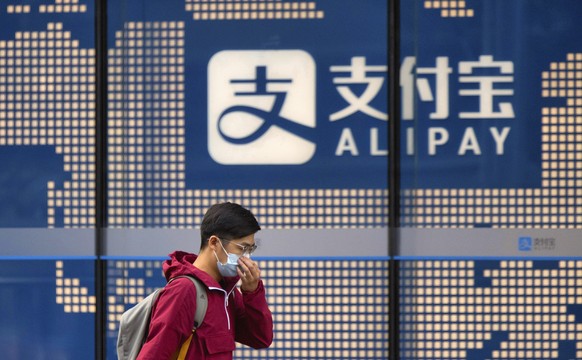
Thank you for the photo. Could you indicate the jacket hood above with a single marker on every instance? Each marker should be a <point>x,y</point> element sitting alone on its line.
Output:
<point>182,263</point>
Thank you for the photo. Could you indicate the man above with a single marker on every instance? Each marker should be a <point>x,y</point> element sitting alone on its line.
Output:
<point>227,241</point>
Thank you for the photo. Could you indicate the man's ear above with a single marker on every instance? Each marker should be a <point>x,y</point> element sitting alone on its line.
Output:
<point>213,242</point>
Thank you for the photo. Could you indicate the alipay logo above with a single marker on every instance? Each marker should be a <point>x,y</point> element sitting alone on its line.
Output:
<point>525,243</point>
<point>261,107</point>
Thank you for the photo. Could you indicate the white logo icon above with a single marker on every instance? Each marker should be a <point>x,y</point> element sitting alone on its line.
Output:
<point>261,107</point>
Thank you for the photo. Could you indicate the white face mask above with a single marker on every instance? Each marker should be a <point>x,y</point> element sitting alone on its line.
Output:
<point>228,269</point>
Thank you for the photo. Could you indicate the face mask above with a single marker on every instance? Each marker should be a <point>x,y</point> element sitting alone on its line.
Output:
<point>227,269</point>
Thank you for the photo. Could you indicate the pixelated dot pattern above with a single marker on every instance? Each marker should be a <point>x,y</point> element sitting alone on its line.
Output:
<point>452,308</point>
<point>146,173</point>
<point>63,7</point>
<point>69,293</point>
<point>57,7</point>
<point>450,8</point>
<point>47,97</point>
<point>324,309</point>
<point>18,9</point>
<point>129,282</point>
<point>252,10</point>
<point>146,123</point>
<point>562,137</point>
<point>43,101</point>
<point>557,203</point>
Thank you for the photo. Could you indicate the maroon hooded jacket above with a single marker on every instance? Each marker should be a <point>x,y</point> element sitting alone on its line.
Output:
<point>231,316</point>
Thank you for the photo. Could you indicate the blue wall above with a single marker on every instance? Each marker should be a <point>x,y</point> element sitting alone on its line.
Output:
<point>282,107</point>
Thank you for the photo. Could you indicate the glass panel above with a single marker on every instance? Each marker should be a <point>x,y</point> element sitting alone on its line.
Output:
<point>323,308</point>
<point>47,307</point>
<point>490,143</point>
<point>174,147</point>
<point>471,309</point>
<point>279,106</point>
<point>47,182</point>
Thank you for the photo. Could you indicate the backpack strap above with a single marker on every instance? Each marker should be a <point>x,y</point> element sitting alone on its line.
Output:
<point>201,307</point>
<point>201,302</point>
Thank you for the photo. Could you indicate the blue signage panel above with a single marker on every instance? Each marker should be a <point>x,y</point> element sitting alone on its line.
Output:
<point>289,94</point>
<point>47,309</point>
<point>475,80</point>
<point>490,114</point>
<point>47,114</point>
<point>274,95</point>
<point>281,105</point>
<point>291,102</point>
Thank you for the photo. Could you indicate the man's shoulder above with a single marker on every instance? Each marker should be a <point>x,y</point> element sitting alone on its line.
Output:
<point>181,286</point>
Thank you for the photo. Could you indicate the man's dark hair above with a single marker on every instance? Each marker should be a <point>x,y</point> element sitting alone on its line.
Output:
<point>228,221</point>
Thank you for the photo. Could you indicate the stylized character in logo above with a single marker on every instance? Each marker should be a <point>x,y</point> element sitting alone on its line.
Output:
<point>271,117</point>
<point>261,107</point>
<point>525,243</point>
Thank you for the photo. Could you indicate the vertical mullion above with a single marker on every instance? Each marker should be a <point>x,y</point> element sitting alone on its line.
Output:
<point>394,176</point>
<point>100,176</point>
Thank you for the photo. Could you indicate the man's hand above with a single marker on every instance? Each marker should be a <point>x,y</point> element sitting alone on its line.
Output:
<point>249,273</point>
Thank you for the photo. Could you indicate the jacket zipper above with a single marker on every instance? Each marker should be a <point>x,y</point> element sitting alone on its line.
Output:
<point>225,302</point>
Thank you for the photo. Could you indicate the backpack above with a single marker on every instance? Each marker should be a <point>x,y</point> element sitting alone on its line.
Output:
<point>135,322</point>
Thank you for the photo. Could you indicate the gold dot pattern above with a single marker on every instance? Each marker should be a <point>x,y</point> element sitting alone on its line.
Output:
<point>329,309</point>
<point>18,9</point>
<point>450,8</point>
<point>562,135</point>
<point>47,97</point>
<point>252,10</point>
<point>446,313</point>
<point>146,117</point>
<point>147,138</point>
<point>557,203</point>
<point>69,293</point>
<point>127,286</point>
<point>338,308</point>
<point>63,7</point>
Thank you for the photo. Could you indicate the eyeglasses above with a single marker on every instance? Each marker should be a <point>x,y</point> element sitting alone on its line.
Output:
<point>247,249</point>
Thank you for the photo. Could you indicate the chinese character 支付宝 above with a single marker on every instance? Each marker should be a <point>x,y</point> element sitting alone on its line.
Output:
<point>409,72</point>
<point>485,90</point>
<point>358,75</point>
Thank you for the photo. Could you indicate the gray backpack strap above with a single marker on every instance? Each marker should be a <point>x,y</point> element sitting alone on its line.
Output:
<point>201,301</point>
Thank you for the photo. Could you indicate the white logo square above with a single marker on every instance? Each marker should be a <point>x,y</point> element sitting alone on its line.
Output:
<point>261,107</point>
